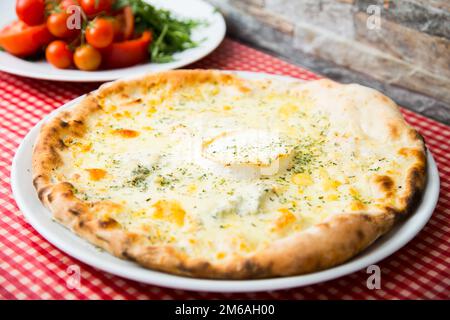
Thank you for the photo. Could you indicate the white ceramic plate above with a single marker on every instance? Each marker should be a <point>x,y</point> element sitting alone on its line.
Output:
<point>40,218</point>
<point>210,36</point>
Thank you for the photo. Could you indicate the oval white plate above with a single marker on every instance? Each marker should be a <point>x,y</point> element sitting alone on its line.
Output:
<point>40,218</point>
<point>210,36</point>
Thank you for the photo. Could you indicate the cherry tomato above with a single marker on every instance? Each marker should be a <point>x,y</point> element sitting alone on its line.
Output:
<point>57,25</point>
<point>93,7</point>
<point>127,53</point>
<point>67,3</point>
<point>87,58</point>
<point>23,40</point>
<point>31,11</point>
<point>59,54</point>
<point>100,33</point>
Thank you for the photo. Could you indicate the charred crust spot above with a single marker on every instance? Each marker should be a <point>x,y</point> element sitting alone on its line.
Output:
<point>126,255</point>
<point>62,145</point>
<point>101,238</point>
<point>79,122</point>
<point>385,182</point>
<point>97,104</point>
<point>394,130</point>
<point>254,270</point>
<point>53,152</point>
<point>360,234</point>
<point>416,180</point>
<point>63,124</point>
<point>50,197</point>
<point>421,157</point>
<point>75,212</point>
<point>42,191</point>
<point>412,201</point>
<point>391,210</point>
<point>81,224</point>
<point>35,180</point>
<point>415,135</point>
<point>414,174</point>
<point>68,189</point>
<point>397,214</point>
<point>204,266</point>
<point>108,223</point>
<point>67,185</point>
<point>67,194</point>
<point>416,177</point>
<point>416,153</point>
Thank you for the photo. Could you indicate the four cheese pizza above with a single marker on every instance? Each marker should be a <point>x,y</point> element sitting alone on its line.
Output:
<point>207,174</point>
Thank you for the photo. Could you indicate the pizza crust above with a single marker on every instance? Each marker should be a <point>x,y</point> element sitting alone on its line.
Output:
<point>327,244</point>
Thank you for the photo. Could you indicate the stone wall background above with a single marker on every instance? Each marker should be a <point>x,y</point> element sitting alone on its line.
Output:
<point>407,57</point>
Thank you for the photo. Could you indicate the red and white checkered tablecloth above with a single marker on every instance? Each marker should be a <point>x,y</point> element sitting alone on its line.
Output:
<point>32,268</point>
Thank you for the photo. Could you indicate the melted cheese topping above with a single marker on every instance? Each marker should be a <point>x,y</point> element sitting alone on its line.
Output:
<point>218,171</point>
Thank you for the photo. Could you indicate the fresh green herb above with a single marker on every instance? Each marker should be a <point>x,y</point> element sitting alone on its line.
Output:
<point>359,199</point>
<point>170,34</point>
<point>140,174</point>
<point>167,181</point>
<point>164,181</point>
<point>305,155</point>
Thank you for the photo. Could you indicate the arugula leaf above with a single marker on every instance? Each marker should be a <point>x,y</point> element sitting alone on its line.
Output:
<point>170,34</point>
